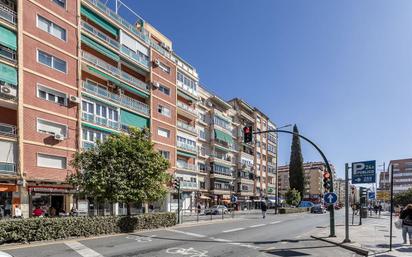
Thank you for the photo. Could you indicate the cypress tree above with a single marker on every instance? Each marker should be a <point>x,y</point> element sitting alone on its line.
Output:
<point>296,171</point>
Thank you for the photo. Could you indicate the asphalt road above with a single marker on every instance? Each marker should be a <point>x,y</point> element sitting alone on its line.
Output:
<point>281,235</point>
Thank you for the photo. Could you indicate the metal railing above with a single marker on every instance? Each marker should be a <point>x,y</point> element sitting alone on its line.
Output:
<point>87,145</point>
<point>134,56</point>
<point>92,30</point>
<point>206,214</point>
<point>7,167</point>
<point>186,107</point>
<point>8,53</point>
<point>186,166</point>
<point>186,127</point>
<point>221,157</point>
<point>135,105</point>
<point>160,49</point>
<point>8,14</point>
<point>186,146</point>
<point>100,121</point>
<point>186,88</point>
<point>7,129</point>
<point>114,71</point>
<point>188,185</point>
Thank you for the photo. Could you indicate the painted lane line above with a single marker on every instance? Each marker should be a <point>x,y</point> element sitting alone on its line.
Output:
<point>232,230</point>
<point>258,225</point>
<point>275,222</point>
<point>186,233</point>
<point>221,240</point>
<point>82,249</point>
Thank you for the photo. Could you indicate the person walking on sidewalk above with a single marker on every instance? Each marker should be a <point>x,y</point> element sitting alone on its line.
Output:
<point>406,217</point>
<point>264,209</point>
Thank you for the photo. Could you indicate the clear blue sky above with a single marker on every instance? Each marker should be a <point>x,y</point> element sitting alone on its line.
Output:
<point>340,70</point>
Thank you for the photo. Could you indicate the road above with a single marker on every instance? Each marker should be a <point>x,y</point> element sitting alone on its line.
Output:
<point>280,235</point>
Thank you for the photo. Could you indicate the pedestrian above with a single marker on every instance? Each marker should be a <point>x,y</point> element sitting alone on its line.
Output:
<point>73,212</point>
<point>199,208</point>
<point>38,212</point>
<point>380,208</point>
<point>406,217</point>
<point>375,209</point>
<point>264,209</point>
<point>17,212</point>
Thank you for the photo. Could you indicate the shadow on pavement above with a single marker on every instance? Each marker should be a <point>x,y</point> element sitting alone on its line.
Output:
<point>286,253</point>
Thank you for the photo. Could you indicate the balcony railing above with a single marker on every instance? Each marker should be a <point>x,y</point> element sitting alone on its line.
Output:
<point>8,54</point>
<point>184,146</point>
<point>7,167</point>
<point>188,184</point>
<point>187,89</point>
<point>87,145</point>
<point>125,24</point>
<point>186,127</point>
<point>100,121</point>
<point>9,96</point>
<point>7,130</point>
<point>160,49</point>
<point>221,157</point>
<point>186,166</point>
<point>123,100</point>
<point>8,14</point>
<point>115,71</point>
<point>186,107</point>
<point>134,56</point>
<point>92,30</point>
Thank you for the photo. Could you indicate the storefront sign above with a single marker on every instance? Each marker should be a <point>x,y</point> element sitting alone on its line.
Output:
<point>8,188</point>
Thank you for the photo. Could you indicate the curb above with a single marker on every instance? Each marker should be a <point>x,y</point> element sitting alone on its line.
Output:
<point>358,250</point>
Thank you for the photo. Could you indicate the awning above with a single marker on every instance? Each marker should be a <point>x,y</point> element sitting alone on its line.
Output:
<point>133,120</point>
<point>222,148</point>
<point>203,197</point>
<point>186,95</point>
<point>8,38</point>
<point>100,48</point>
<point>98,128</point>
<point>190,155</point>
<point>8,74</point>
<point>99,21</point>
<point>220,135</point>
<point>134,90</point>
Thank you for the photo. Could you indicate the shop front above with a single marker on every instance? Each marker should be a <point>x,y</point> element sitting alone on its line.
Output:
<point>52,201</point>
<point>8,199</point>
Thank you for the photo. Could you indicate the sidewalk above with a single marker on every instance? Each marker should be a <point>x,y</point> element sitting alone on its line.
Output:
<point>371,237</point>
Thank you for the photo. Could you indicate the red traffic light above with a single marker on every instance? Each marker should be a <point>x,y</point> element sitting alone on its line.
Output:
<point>326,175</point>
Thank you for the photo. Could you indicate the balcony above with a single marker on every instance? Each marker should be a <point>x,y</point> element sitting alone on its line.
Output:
<point>8,130</point>
<point>160,49</point>
<point>87,145</point>
<point>186,127</point>
<point>115,71</point>
<point>8,54</point>
<point>92,30</point>
<point>187,89</point>
<point>186,147</point>
<point>89,117</point>
<point>134,56</point>
<point>122,100</point>
<point>186,166</point>
<point>186,108</point>
<point>188,185</point>
<point>7,167</point>
<point>8,14</point>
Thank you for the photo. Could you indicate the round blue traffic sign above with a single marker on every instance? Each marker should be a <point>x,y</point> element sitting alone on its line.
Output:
<point>330,198</point>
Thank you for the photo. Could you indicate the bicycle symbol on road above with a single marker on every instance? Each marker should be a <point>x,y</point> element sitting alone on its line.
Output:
<point>140,239</point>
<point>191,252</point>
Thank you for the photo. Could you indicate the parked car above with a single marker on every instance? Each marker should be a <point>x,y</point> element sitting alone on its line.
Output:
<point>306,204</point>
<point>216,209</point>
<point>318,208</point>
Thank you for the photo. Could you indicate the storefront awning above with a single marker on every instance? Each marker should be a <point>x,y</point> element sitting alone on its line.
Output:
<point>99,21</point>
<point>101,49</point>
<point>8,74</point>
<point>222,136</point>
<point>8,38</point>
<point>133,120</point>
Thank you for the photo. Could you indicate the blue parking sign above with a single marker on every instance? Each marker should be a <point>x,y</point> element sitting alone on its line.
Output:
<point>364,172</point>
<point>371,195</point>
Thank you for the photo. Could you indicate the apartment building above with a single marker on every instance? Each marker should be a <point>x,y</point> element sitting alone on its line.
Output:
<point>402,174</point>
<point>74,72</point>
<point>313,180</point>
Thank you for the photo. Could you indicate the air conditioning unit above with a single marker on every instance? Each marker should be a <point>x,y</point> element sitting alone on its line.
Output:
<point>156,85</point>
<point>75,99</point>
<point>156,63</point>
<point>8,90</point>
<point>59,137</point>
<point>163,45</point>
<point>168,48</point>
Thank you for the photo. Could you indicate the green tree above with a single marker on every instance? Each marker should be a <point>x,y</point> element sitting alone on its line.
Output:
<point>124,168</point>
<point>296,171</point>
<point>403,198</point>
<point>293,197</point>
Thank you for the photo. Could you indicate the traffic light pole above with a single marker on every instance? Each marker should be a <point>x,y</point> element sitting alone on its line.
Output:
<point>346,240</point>
<point>178,205</point>
<point>332,210</point>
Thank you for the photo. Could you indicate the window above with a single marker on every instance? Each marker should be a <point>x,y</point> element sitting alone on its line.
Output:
<point>202,167</point>
<point>163,110</point>
<point>51,28</point>
<point>51,61</point>
<point>186,81</point>
<point>51,95</point>
<point>48,127</point>
<point>93,136</point>
<point>165,90</point>
<point>221,122</point>
<point>163,132</point>
<point>164,67</point>
<point>51,161</point>
<point>165,154</point>
<point>61,3</point>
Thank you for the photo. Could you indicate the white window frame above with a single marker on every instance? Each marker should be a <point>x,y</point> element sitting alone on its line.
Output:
<point>164,152</point>
<point>55,156</point>
<point>163,110</point>
<point>48,91</point>
<point>65,4</point>
<point>162,130</point>
<point>51,27</point>
<point>53,58</point>
<point>165,88</point>
<point>103,135</point>
<point>164,67</point>
<point>49,132</point>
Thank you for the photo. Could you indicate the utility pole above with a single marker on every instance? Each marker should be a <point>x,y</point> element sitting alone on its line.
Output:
<point>391,223</point>
<point>346,240</point>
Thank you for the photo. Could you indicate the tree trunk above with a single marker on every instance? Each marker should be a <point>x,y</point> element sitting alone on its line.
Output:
<point>128,207</point>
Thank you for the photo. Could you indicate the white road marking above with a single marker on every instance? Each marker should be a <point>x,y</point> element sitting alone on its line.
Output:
<point>232,230</point>
<point>221,240</point>
<point>258,225</point>
<point>191,252</point>
<point>275,222</point>
<point>186,233</point>
<point>82,249</point>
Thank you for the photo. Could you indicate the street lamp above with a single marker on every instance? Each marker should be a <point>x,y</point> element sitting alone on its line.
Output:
<point>276,169</point>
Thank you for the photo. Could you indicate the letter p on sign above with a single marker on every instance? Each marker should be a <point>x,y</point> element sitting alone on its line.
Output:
<point>358,167</point>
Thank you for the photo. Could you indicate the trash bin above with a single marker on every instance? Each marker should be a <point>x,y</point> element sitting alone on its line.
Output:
<point>364,212</point>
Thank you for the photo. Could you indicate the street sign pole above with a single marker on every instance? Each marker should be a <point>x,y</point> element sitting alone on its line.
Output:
<point>346,240</point>
<point>391,223</point>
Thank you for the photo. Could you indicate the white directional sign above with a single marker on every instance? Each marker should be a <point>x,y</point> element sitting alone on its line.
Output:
<point>330,198</point>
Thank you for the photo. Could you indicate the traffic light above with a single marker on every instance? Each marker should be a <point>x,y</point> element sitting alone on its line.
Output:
<point>176,184</point>
<point>326,180</point>
<point>353,190</point>
<point>247,134</point>
<point>363,192</point>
